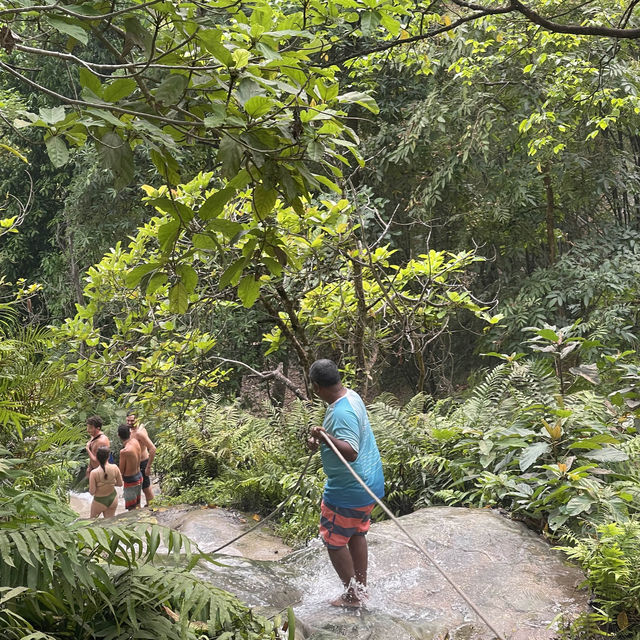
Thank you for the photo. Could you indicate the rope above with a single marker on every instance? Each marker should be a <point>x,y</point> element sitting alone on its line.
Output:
<point>420,548</point>
<point>417,544</point>
<point>273,513</point>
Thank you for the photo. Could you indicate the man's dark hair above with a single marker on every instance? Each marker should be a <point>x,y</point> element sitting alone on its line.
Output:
<point>324,373</point>
<point>124,432</point>
<point>132,412</point>
<point>95,421</point>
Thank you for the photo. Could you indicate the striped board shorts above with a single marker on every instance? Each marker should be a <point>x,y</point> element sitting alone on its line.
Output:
<point>132,490</point>
<point>338,524</point>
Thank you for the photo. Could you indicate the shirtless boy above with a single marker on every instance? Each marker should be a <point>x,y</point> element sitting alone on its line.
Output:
<point>97,439</point>
<point>147,453</point>
<point>130,468</point>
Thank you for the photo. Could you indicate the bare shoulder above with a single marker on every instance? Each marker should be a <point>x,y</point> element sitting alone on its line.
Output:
<point>126,452</point>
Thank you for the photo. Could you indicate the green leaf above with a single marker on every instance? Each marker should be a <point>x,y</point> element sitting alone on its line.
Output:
<point>188,276</point>
<point>136,34</point>
<point>57,151</point>
<point>71,29</point>
<point>90,81</point>
<point>241,58</point>
<point>53,115</point>
<point>117,155</point>
<point>214,204</point>
<point>212,41</point>
<point>171,89</point>
<point>369,21</point>
<point>291,619</point>
<point>217,117</point>
<point>134,276</point>
<point>248,291</point>
<point>273,265</point>
<point>228,228</point>
<point>156,281</point>
<point>548,334</point>
<point>178,299</point>
<point>232,273</point>
<point>607,454</point>
<point>264,200</point>
<point>120,88</point>
<point>178,210</point>
<point>104,114</point>
<point>230,155</point>
<point>594,442</point>
<point>577,505</point>
<point>168,234</point>
<point>532,453</point>
<point>360,98</point>
<point>203,241</point>
<point>167,165</point>
<point>258,106</point>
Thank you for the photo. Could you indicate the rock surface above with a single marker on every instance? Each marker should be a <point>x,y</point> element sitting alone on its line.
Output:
<point>512,575</point>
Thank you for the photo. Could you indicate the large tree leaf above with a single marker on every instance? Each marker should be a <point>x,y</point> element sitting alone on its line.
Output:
<point>178,298</point>
<point>532,453</point>
<point>607,454</point>
<point>171,89</point>
<point>117,155</point>
<point>57,151</point>
<point>248,290</point>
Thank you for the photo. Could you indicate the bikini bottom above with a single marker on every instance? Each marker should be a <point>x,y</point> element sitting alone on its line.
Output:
<point>107,501</point>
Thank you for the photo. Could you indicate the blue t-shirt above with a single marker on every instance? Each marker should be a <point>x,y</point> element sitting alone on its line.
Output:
<point>346,419</point>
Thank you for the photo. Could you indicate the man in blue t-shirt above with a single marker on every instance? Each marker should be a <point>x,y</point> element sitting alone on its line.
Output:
<point>346,505</point>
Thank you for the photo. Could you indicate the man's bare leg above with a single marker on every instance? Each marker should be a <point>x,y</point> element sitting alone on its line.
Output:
<point>343,564</point>
<point>148,494</point>
<point>350,564</point>
<point>359,558</point>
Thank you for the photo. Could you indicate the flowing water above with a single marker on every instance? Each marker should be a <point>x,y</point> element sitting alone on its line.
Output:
<point>518,582</point>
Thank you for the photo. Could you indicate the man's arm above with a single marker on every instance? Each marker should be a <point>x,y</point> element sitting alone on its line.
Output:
<point>151,448</point>
<point>345,449</point>
<point>93,461</point>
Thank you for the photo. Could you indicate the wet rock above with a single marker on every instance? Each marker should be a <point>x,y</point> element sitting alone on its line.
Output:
<point>513,576</point>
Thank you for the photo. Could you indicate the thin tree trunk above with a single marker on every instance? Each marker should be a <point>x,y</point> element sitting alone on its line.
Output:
<point>74,272</point>
<point>550,218</point>
<point>362,375</point>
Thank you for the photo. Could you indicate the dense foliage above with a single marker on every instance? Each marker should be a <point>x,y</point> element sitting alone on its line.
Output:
<point>205,196</point>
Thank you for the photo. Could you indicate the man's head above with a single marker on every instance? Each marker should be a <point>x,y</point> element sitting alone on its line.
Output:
<point>94,425</point>
<point>124,433</point>
<point>132,421</point>
<point>324,376</point>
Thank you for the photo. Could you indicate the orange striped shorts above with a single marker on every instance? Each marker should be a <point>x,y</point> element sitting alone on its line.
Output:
<point>339,524</point>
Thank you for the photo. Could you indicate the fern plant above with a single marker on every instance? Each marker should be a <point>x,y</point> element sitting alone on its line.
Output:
<point>63,578</point>
<point>232,458</point>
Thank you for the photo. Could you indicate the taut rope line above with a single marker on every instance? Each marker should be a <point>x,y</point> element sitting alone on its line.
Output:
<point>458,590</point>
<point>417,544</point>
<point>273,513</point>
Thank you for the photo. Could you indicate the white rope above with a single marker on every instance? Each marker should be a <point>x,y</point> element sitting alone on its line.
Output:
<point>419,547</point>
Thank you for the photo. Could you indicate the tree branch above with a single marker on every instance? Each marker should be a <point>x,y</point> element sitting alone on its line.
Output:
<point>276,374</point>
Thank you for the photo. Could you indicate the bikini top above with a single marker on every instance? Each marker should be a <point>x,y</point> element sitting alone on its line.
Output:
<point>112,476</point>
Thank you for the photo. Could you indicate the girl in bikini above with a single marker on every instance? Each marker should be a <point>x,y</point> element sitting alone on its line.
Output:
<point>102,483</point>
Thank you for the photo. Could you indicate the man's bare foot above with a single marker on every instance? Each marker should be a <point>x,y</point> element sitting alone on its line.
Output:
<point>346,600</point>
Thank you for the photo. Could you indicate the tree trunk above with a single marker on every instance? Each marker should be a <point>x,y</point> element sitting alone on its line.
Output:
<point>550,218</point>
<point>362,374</point>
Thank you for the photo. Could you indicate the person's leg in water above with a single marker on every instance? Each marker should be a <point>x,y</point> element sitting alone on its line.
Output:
<point>146,482</point>
<point>350,563</point>
<point>96,509</point>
